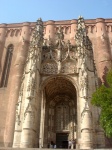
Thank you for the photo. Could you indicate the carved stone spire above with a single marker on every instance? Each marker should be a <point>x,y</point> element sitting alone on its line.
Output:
<point>82,40</point>
<point>81,32</point>
<point>27,101</point>
<point>85,70</point>
<point>82,55</point>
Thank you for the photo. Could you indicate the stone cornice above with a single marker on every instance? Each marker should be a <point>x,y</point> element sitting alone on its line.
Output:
<point>57,23</point>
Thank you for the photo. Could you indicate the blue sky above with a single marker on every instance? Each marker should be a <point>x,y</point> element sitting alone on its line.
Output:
<point>15,11</point>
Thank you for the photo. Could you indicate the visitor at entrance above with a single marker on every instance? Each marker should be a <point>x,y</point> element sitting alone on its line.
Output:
<point>73,144</point>
<point>69,144</point>
<point>52,144</point>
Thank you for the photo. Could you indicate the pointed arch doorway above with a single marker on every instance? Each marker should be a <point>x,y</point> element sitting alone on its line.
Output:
<point>58,113</point>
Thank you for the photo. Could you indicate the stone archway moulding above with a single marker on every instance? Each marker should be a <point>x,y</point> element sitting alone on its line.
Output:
<point>73,82</point>
<point>70,79</point>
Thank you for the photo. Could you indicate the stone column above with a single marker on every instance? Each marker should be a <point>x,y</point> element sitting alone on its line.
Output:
<point>42,121</point>
<point>28,130</point>
<point>15,85</point>
<point>43,133</point>
<point>86,128</point>
<point>102,49</point>
<point>2,40</point>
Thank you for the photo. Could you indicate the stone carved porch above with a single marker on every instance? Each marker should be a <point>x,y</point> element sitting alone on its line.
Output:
<point>55,94</point>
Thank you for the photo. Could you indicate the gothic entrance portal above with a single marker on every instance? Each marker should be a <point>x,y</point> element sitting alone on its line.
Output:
<point>59,112</point>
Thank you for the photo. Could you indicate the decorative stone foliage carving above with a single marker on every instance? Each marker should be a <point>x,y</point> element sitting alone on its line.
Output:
<point>63,53</point>
<point>84,46</point>
<point>32,61</point>
<point>59,53</point>
<point>30,111</point>
<point>49,68</point>
<point>85,57</point>
<point>68,67</point>
<point>18,105</point>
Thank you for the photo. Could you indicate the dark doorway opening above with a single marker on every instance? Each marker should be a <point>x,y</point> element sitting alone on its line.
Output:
<point>62,140</point>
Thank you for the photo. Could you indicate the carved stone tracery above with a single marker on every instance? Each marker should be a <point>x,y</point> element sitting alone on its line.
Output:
<point>62,54</point>
<point>62,117</point>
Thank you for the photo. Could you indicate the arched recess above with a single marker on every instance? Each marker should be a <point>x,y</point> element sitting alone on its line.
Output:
<point>7,65</point>
<point>58,111</point>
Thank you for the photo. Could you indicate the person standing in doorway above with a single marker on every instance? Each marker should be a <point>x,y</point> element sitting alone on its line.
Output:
<point>69,144</point>
<point>54,145</point>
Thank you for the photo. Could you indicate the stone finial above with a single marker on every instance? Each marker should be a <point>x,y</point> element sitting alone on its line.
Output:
<point>39,26</point>
<point>37,37</point>
<point>81,23</point>
<point>39,21</point>
<point>82,40</point>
